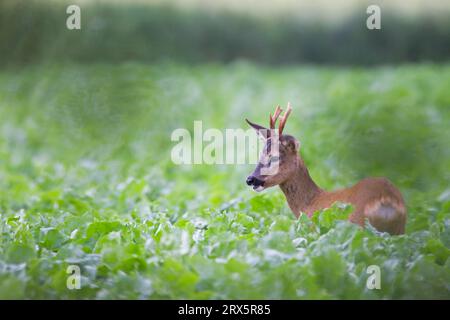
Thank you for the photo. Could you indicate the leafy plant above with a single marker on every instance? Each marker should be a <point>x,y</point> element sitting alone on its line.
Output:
<point>86,180</point>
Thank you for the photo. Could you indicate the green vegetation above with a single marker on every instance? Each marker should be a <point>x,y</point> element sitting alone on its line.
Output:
<point>34,31</point>
<point>86,179</point>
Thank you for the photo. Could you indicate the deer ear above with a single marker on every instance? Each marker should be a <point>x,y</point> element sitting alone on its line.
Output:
<point>292,145</point>
<point>262,132</point>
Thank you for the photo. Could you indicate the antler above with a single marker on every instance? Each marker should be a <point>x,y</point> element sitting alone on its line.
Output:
<point>273,119</point>
<point>284,119</point>
<point>266,133</point>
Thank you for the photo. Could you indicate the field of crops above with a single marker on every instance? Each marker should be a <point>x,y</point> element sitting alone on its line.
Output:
<point>86,179</point>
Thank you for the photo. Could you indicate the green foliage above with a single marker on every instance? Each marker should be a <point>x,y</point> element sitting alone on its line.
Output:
<point>34,31</point>
<point>86,179</point>
<point>327,218</point>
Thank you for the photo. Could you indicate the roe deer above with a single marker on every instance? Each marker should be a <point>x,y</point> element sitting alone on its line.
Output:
<point>376,199</point>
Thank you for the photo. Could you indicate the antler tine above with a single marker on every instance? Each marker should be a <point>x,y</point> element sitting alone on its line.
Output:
<point>284,119</point>
<point>273,119</point>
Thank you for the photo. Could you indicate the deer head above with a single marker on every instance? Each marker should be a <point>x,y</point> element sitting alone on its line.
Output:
<point>279,158</point>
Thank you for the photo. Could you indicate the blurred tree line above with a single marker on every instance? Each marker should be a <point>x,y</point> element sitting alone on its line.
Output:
<point>35,31</point>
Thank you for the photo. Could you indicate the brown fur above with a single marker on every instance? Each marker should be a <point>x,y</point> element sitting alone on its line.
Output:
<point>376,199</point>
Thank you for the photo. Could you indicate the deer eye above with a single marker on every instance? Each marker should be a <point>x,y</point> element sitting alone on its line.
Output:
<point>274,159</point>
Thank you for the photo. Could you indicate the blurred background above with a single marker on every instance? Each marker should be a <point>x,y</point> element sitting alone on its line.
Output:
<point>197,31</point>
<point>367,102</point>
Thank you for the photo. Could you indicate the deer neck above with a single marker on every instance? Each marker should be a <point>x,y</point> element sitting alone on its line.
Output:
<point>300,190</point>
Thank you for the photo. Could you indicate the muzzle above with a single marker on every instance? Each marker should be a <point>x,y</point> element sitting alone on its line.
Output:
<point>256,183</point>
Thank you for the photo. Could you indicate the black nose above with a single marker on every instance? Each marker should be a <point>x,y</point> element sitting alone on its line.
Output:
<point>253,181</point>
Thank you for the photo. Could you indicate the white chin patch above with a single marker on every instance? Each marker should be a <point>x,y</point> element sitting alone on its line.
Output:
<point>259,189</point>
